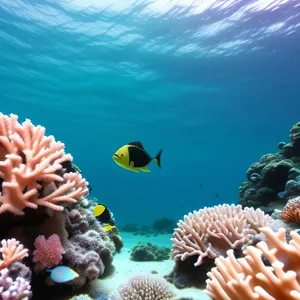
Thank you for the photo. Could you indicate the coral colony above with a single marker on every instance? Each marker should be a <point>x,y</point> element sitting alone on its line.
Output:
<point>53,245</point>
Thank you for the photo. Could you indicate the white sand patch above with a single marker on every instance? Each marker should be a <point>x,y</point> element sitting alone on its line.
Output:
<point>125,268</point>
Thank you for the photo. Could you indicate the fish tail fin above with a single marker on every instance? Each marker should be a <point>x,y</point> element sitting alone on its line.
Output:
<point>157,158</point>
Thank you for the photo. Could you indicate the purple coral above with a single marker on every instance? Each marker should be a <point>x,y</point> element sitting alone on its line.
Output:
<point>13,289</point>
<point>86,251</point>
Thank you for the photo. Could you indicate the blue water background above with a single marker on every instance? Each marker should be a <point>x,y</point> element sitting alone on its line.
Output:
<point>215,84</point>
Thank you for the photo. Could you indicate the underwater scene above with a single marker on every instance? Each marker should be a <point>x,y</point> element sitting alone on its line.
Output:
<point>150,149</point>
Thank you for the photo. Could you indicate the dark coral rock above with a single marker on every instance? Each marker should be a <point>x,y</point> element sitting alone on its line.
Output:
<point>281,145</point>
<point>275,175</point>
<point>295,134</point>
<point>149,252</point>
<point>185,274</point>
<point>267,178</point>
<point>293,148</point>
<point>86,249</point>
<point>164,225</point>
<point>131,227</point>
<point>266,195</point>
<point>118,242</point>
<point>17,269</point>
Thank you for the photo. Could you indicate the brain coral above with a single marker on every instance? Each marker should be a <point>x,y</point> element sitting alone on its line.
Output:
<point>144,287</point>
<point>210,232</point>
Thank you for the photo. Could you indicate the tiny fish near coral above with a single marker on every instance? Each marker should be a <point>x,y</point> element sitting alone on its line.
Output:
<point>62,274</point>
<point>108,227</point>
<point>103,214</point>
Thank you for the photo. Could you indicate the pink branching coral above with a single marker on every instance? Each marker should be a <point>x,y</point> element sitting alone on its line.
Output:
<point>29,162</point>
<point>210,232</point>
<point>48,252</point>
<point>248,278</point>
<point>18,289</point>
<point>11,251</point>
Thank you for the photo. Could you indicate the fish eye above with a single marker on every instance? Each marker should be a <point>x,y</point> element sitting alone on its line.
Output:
<point>121,154</point>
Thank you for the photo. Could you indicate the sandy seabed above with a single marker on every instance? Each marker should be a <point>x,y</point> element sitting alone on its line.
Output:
<point>126,268</point>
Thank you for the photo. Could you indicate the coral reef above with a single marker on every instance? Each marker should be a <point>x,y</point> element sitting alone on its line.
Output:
<point>133,227</point>
<point>11,251</point>
<point>149,252</point>
<point>87,251</point>
<point>48,252</point>
<point>210,232</point>
<point>292,149</point>
<point>185,274</point>
<point>10,289</point>
<point>160,226</point>
<point>140,287</point>
<point>163,225</point>
<point>291,211</point>
<point>248,278</point>
<point>268,178</point>
<point>42,200</point>
<point>30,162</point>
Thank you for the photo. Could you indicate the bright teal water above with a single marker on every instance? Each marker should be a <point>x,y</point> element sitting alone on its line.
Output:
<point>213,83</point>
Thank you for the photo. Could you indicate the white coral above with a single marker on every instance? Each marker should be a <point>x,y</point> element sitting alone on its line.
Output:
<point>210,232</point>
<point>19,289</point>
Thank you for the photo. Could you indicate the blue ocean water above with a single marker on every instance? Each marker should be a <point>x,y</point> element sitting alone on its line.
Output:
<point>213,83</point>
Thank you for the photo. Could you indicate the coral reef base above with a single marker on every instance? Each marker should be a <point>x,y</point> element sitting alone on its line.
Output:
<point>128,268</point>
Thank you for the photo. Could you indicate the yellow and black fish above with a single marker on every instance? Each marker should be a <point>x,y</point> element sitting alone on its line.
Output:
<point>103,214</point>
<point>134,157</point>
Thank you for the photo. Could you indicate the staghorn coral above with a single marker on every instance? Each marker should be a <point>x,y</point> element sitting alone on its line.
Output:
<point>210,232</point>
<point>48,252</point>
<point>248,278</point>
<point>30,163</point>
<point>141,287</point>
<point>18,289</point>
<point>11,251</point>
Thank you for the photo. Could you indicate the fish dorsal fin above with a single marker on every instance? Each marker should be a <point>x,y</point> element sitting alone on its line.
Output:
<point>137,144</point>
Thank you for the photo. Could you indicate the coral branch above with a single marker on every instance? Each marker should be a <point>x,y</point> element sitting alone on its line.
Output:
<point>29,161</point>
<point>11,251</point>
<point>210,232</point>
<point>249,278</point>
